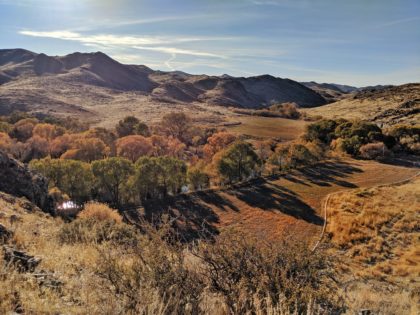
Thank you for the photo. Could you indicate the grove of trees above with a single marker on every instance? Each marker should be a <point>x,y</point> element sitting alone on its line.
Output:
<point>134,161</point>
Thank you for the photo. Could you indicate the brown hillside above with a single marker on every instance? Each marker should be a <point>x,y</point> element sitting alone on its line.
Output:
<point>386,106</point>
<point>80,81</point>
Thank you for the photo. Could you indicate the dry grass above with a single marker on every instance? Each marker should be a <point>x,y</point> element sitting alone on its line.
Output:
<point>268,127</point>
<point>278,207</point>
<point>149,277</point>
<point>99,212</point>
<point>383,106</point>
<point>377,231</point>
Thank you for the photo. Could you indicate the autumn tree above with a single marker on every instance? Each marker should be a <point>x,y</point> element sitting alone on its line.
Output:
<point>5,142</point>
<point>61,144</point>
<point>48,131</point>
<point>238,162</point>
<point>133,147</point>
<point>111,176</point>
<point>87,149</point>
<point>292,156</point>
<point>22,130</point>
<point>106,135</point>
<point>36,148</point>
<point>217,142</point>
<point>5,127</point>
<point>177,125</point>
<point>51,168</point>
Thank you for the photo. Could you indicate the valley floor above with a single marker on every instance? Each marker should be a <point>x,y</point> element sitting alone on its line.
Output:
<point>278,206</point>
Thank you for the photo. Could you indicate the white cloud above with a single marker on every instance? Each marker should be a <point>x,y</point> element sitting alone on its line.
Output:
<point>172,51</point>
<point>137,42</point>
<point>400,21</point>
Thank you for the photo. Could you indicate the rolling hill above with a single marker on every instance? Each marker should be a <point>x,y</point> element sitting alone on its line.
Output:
<point>78,83</point>
<point>384,105</point>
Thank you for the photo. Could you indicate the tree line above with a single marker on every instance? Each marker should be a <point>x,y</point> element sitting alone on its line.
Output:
<point>135,162</point>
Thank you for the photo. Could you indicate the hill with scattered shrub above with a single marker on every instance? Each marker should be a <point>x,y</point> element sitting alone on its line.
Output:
<point>385,106</point>
<point>86,84</point>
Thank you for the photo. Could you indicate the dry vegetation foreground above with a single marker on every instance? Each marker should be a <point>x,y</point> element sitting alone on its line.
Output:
<point>276,207</point>
<point>375,234</point>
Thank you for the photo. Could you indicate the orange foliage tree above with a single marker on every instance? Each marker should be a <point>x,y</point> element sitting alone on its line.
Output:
<point>48,131</point>
<point>22,130</point>
<point>5,142</point>
<point>87,149</point>
<point>217,142</point>
<point>133,147</point>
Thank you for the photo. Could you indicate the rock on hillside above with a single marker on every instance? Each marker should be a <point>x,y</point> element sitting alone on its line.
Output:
<point>16,179</point>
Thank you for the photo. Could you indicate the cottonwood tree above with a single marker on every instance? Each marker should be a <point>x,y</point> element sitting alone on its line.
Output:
<point>87,149</point>
<point>176,125</point>
<point>133,147</point>
<point>217,142</point>
<point>157,177</point>
<point>72,177</point>
<point>111,176</point>
<point>5,142</point>
<point>22,130</point>
<point>48,131</point>
<point>238,162</point>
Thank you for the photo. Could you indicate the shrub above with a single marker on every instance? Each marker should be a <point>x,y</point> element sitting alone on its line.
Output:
<point>347,145</point>
<point>100,212</point>
<point>90,230</point>
<point>130,125</point>
<point>322,130</point>
<point>373,151</point>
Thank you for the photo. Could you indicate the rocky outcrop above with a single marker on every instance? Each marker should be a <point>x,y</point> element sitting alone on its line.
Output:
<point>16,179</point>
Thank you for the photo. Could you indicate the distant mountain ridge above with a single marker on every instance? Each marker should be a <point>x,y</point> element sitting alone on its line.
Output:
<point>20,68</point>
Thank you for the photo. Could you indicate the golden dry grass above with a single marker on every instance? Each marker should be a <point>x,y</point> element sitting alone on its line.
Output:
<point>268,127</point>
<point>99,212</point>
<point>375,233</point>
<point>365,109</point>
<point>378,229</point>
<point>284,206</point>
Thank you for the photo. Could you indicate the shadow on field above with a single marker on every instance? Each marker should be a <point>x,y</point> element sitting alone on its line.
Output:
<point>271,197</point>
<point>197,214</point>
<point>326,174</point>
<point>195,217</point>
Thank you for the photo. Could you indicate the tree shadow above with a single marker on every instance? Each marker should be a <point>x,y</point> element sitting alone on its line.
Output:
<point>327,174</point>
<point>194,218</point>
<point>272,197</point>
<point>406,160</point>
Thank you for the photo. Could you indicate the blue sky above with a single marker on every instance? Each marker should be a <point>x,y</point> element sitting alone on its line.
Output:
<point>356,42</point>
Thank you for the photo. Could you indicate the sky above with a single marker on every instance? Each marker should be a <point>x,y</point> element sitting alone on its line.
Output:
<point>355,42</point>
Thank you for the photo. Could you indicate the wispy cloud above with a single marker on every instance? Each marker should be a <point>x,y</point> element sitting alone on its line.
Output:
<point>172,50</point>
<point>168,62</point>
<point>399,21</point>
<point>136,42</point>
<point>110,39</point>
